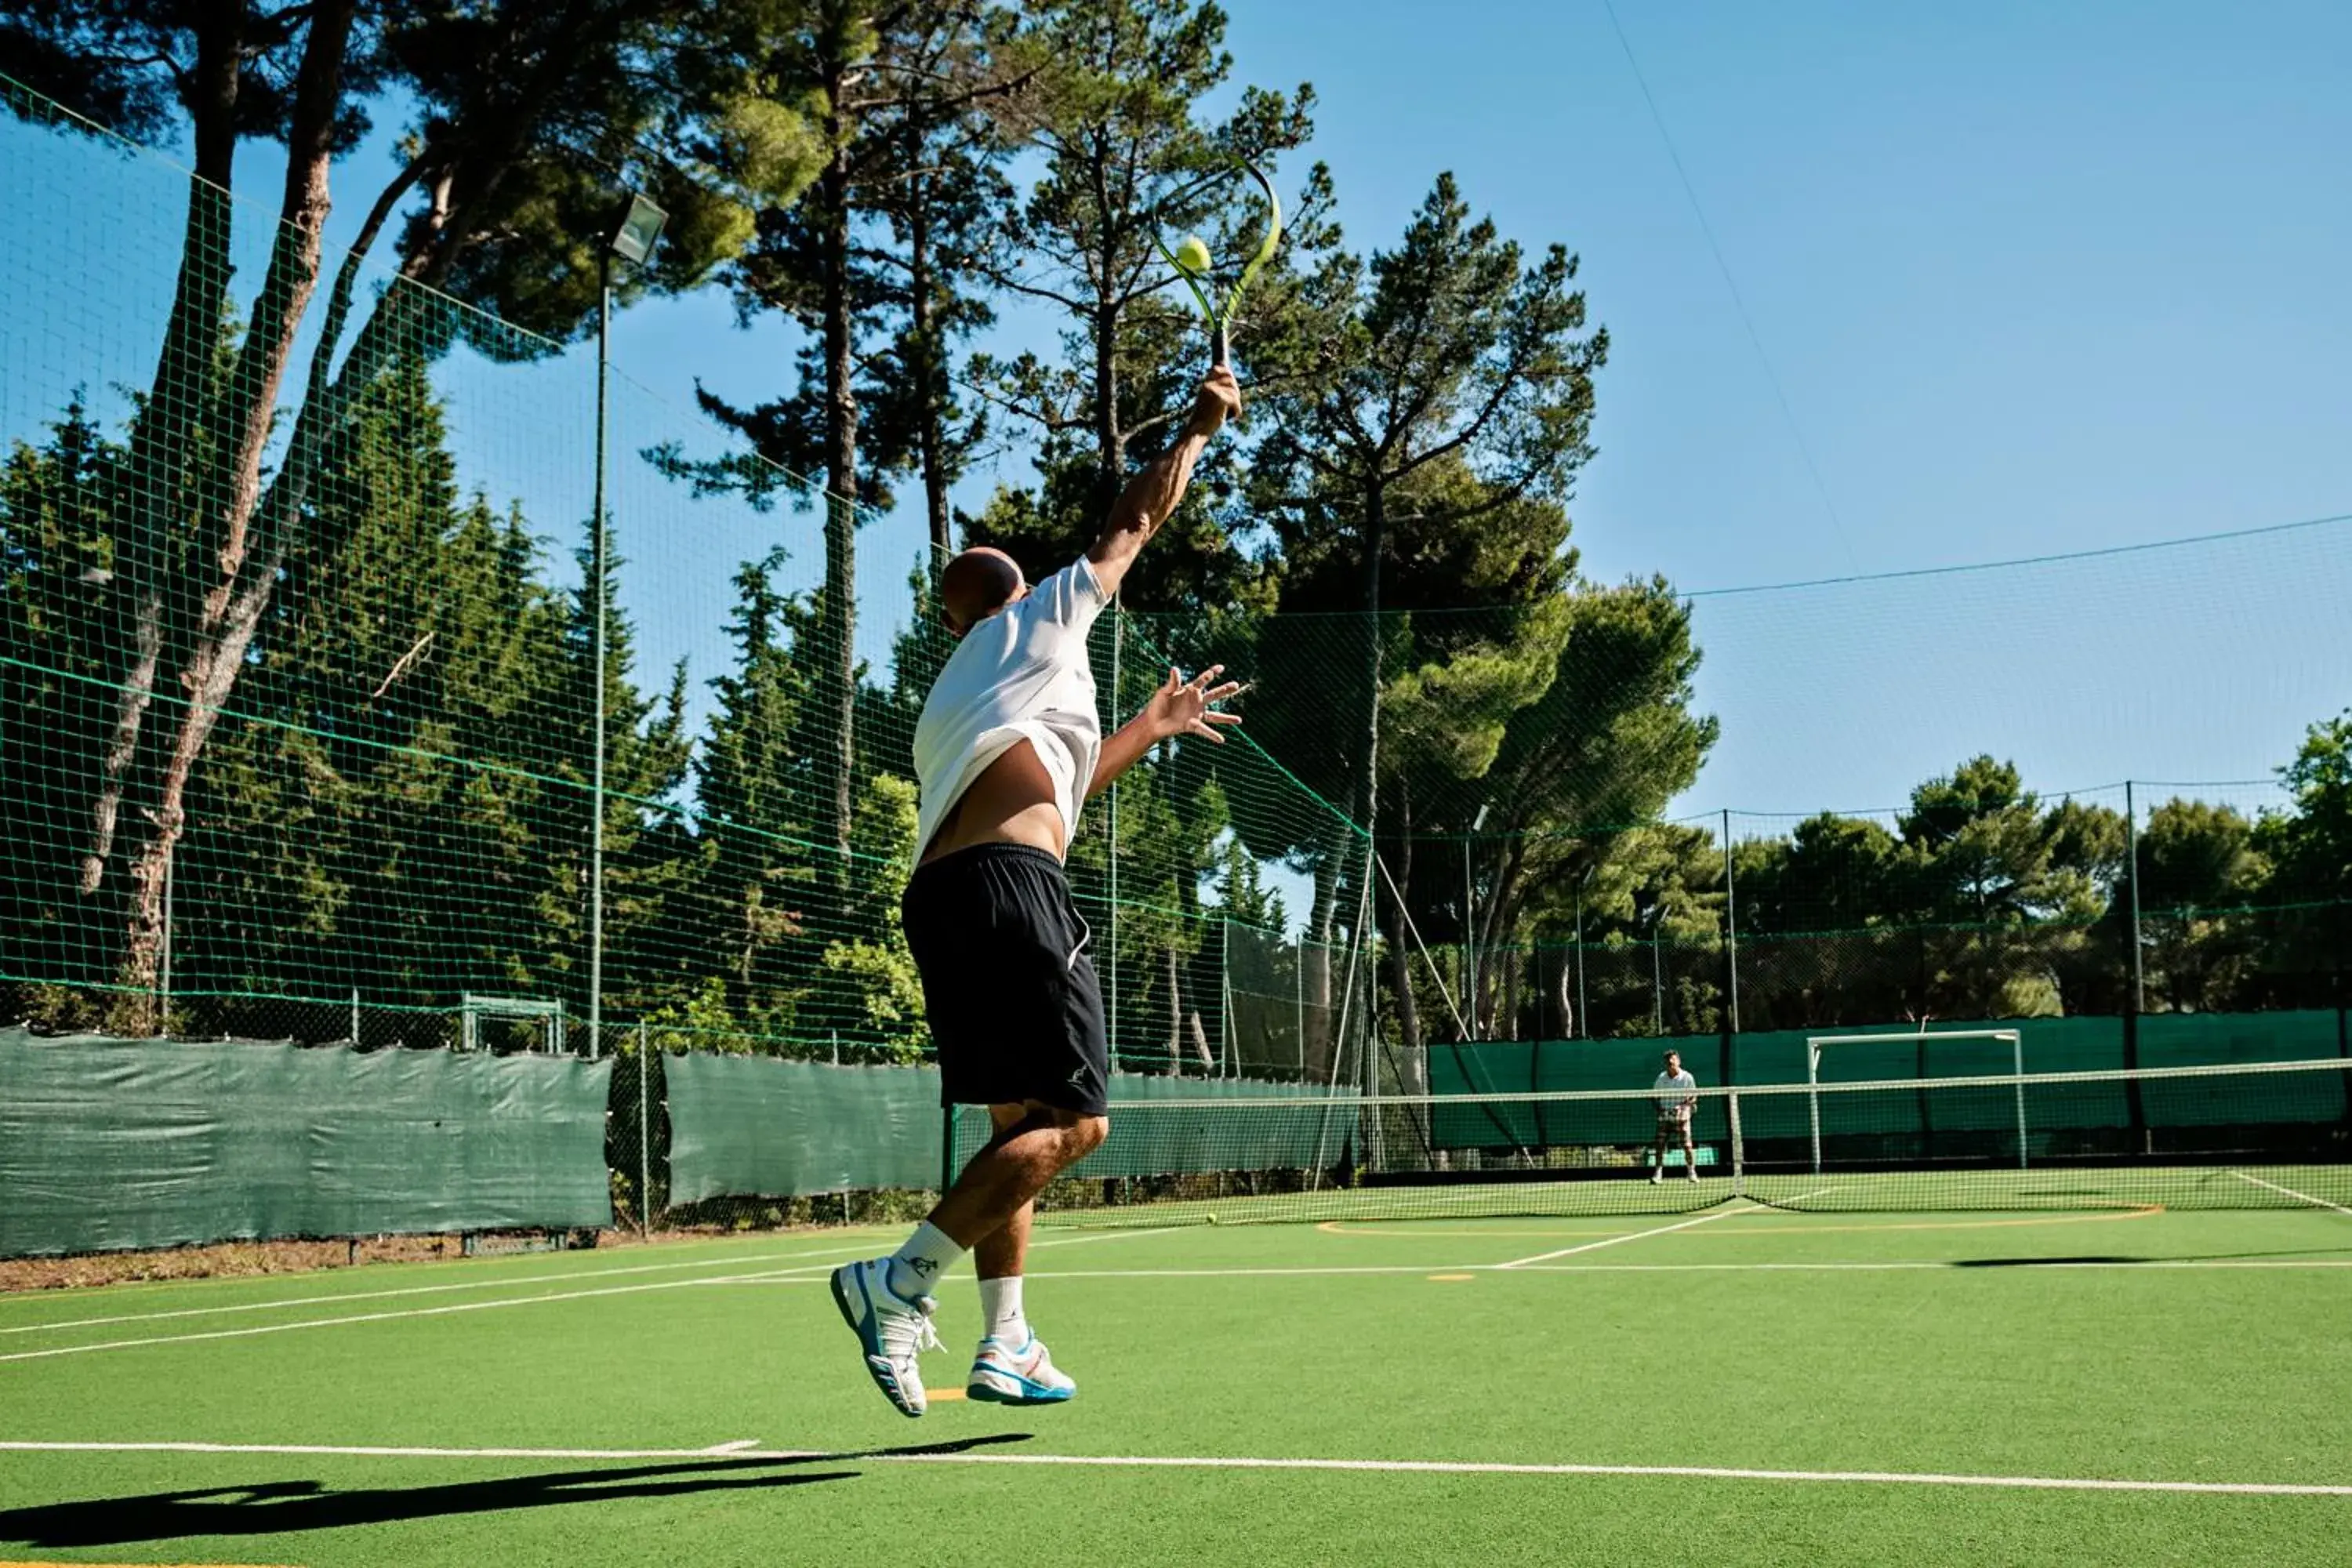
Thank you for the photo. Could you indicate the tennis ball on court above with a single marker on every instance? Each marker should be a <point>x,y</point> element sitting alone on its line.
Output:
<point>1213,1219</point>
<point>1192,256</point>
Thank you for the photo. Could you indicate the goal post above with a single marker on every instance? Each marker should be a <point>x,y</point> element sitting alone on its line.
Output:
<point>1816,1043</point>
<point>541,1015</point>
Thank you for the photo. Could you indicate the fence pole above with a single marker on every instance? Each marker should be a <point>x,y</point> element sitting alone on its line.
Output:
<point>645,1134</point>
<point>1731,919</point>
<point>2131,842</point>
<point>1299,984</point>
<point>1110,971</point>
<point>1657,982</point>
<point>1229,1036</point>
<point>1580,1026</point>
<point>355,1017</point>
<point>598,557</point>
<point>163,968</point>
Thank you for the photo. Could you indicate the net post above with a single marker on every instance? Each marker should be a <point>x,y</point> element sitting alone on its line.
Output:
<point>1813,1095</point>
<point>2017,1056</point>
<point>1739,1148</point>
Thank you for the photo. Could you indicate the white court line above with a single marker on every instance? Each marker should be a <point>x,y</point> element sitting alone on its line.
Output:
<point>564,1277</point>
<point>1226,1462</point>
<point>1638,1235</point>
<point>350,1318</point>
<point>2290,1192</point>
<point>799,1275</point>
<point>1278,1272</point>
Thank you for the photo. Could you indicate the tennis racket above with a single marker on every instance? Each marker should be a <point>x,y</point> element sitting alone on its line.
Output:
<point>1193,265</point>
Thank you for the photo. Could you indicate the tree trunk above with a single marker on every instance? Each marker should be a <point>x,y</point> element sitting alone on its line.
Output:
<point>1315,1044</point>
<point>1110,443</point>
<point>924,364</point>
<point>1175,1010</point>
<point>163,435</point>
<point>1412,1073</point>
<point>246,563</point>
<point>838,677</point>
<point>1375,544</point>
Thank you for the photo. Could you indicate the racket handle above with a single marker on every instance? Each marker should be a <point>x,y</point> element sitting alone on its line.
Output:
<point>1220,350</point>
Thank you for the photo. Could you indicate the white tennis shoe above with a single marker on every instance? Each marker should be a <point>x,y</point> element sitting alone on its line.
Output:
<point>1001,1374</point>
<point>892,1331</point>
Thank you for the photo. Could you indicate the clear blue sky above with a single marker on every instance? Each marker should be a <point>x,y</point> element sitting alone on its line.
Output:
<point>2032,279</point>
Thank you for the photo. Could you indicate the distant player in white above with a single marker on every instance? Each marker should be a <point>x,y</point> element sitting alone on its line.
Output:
<point>1677,1094</point>
<point>1007,750</point>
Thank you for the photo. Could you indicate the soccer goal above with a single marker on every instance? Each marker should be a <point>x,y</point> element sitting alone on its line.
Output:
<point>1990,1039</point>
<point>534,1014</point>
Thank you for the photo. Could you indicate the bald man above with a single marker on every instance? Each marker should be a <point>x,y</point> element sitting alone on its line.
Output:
<point>1007,750</point>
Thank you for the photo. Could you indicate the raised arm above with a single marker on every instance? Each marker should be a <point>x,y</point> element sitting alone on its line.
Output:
<point>1152,495</point>
<point>1182,707</point>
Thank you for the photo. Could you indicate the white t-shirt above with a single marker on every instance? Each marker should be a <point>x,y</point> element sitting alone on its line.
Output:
<point>1020,675</point>
<point>1682,1080</point>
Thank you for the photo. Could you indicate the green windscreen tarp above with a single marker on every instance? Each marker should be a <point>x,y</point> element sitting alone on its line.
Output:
<point>108,1145</point>
<point>757,1127</point>
<point>1196,1138</point>
<point>2049,1045</point>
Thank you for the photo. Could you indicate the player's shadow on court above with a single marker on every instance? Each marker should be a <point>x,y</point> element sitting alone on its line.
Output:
<point>285,1508</point>
<point>2078,1259</point>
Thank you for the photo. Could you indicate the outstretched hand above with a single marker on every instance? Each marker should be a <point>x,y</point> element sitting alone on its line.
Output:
<point>1183,706</point>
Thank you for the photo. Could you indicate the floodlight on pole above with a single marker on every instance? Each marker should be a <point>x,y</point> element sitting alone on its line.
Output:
<point>633,241</point>
<point>640,230</point>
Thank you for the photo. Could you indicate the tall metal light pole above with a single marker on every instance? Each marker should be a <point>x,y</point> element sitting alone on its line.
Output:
<point>633,241</point>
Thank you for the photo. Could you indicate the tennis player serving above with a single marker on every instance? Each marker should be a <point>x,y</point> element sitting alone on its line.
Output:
<point>1007,750</point>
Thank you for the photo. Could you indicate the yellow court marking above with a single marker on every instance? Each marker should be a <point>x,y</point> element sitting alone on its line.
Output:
<point>1450,1279</point>
<point>934,1394</point>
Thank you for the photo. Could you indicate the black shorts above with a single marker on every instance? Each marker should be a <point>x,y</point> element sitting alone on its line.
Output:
<point>1013,1004</point>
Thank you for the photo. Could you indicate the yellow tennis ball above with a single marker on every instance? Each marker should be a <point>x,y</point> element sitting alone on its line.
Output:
<point>1192,256</point>
<point>1213,1219</point>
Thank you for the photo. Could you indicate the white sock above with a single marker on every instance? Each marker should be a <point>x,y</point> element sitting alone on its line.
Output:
<point>1000,1311</point>
<point>916,1267</point>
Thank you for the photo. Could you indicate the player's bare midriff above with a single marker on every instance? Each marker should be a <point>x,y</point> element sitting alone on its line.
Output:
<point>1011,801</point>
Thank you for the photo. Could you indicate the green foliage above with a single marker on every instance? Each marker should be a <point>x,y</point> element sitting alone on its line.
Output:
<point>1130,154</point>
<point>2312,847</point>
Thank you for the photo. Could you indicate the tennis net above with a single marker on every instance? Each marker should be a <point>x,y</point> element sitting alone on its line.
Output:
<point>2254,1135</point>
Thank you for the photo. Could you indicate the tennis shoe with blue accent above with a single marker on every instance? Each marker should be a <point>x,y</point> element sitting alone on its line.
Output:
<point>1002,1375</point>
<point>892,1331</point>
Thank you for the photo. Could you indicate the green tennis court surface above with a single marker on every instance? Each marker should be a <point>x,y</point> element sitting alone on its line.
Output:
<point>1735,1384</point>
